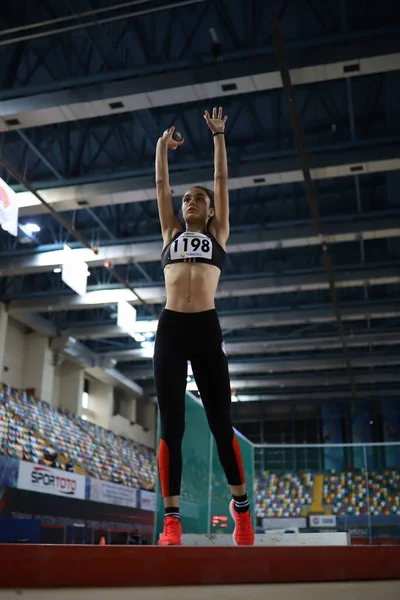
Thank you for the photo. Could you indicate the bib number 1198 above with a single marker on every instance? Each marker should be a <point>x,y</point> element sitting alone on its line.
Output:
<point>185,247</point>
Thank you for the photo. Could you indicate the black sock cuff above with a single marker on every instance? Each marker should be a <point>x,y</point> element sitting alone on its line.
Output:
<point>172,511</point>
<point>243,498</point>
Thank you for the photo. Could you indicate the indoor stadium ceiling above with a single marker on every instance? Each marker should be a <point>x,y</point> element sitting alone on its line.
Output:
<point>86,92</point>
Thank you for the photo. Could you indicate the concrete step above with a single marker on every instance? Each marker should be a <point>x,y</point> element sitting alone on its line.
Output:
<point>272,539</point>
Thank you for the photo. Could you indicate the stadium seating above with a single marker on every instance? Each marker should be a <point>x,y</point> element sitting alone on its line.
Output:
<point>17,441</point>
<point>346,492</point>
<point>100,453</point>
<point>384,492</point>
<point>31,430</point>
<point>140,459</point>
<point>282,495</point>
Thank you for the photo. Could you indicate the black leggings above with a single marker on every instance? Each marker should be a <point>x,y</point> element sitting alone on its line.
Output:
<point>196,337</point>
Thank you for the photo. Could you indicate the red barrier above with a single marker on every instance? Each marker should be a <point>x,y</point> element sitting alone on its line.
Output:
<point>41,566</point>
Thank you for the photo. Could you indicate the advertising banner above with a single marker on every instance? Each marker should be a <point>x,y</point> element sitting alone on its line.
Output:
<point>39,478</point>
<point>289,523</point>
<point>112,493</point>
<point>74,271</point>
<point>56,510</point>
<point>147,500</point>
<point>323,521</point>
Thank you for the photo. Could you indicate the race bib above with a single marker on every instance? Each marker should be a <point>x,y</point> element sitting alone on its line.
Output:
<point>191,245</point>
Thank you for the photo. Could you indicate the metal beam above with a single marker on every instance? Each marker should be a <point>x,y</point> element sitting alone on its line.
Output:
<point>285,365</point>
<point>40,155</point>
<point>252,320</point>
<point>279,284</point>
<point>295,381</point>
<point>300,144</point>
<point>266,170</point>
<point>37,323</point>
<point>325,380</point>
<point>244,403</point>
<point>387,338</point>
<point>246,406</point>
<point>271,238</point>
<point>189,85</point>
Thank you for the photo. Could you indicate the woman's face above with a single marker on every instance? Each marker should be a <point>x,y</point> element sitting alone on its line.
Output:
<point>196,207</point>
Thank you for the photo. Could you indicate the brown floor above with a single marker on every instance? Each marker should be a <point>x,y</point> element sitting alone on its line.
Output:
<point>363,590</point>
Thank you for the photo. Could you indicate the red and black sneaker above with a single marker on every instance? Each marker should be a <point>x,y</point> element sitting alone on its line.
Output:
<point>243,534</point>
<point>171,536</point>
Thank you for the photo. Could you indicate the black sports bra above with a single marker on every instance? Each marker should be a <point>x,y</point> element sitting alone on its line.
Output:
<point>188,246</point>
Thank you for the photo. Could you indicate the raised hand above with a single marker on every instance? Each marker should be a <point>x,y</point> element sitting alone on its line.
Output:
<point>216,122</point>
<point>168,139</point>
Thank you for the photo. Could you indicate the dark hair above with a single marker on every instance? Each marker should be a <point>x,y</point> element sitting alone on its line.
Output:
<point>210,194</point>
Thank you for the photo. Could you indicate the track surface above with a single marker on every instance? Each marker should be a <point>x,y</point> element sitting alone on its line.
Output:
<point>43,566</point>
<point>384,590</point>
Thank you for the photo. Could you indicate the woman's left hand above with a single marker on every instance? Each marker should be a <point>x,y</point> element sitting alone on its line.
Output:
<point>216,122</point>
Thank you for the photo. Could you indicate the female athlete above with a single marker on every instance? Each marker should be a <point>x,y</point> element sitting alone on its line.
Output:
<point>189,329</point>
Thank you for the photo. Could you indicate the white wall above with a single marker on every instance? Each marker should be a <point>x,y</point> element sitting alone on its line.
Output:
<point>28,361</point>
<point>125,405</point>
<point>141,413</point>
<point>71,387</point>
<point>14,355</point>
<point>122,426</point>
<point>100,409</point>
<point>56,387</point>
<point>150,420</point>
<point>38,366</point>
<point>100,402</point>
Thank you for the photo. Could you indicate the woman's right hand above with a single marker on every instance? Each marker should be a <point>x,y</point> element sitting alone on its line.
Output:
<point>168,139</point>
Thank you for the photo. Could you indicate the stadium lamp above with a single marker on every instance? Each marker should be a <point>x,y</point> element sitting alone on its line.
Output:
<point>148,352</point>
<point>147,344</point>
<point>32,227</point>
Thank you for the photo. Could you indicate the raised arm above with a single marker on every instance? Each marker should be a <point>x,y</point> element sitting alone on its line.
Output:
<point>169,223</point>
<point>220,224</point>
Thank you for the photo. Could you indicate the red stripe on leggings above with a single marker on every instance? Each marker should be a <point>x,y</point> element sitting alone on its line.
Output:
<point>163,468</point>
<point>239,460</point>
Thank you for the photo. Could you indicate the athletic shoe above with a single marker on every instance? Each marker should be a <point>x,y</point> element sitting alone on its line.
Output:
<point>171,536</point>
<point>243,534</point>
